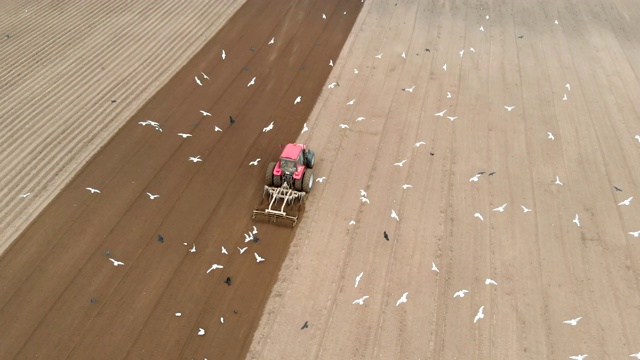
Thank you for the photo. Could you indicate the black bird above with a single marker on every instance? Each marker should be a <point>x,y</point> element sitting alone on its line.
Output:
<point>306,325</point>
<point>427,50</point>
<point>231,120</point>
<point>256,239</point>
<point>113,101</point>
<point>492,173</point>
<point>93,300</point>
<point>520,37</point>
<point>235,311</point>
<point>431,154</point>
<point>160,238</point>
<point>481,173</point>
<point>617,188</point>
<point>386,236</point>
<point>228,281</point>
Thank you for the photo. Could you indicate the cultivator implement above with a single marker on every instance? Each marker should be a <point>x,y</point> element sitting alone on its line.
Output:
<point>283,203</point>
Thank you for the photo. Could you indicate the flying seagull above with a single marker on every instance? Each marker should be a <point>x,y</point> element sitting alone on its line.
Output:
<point>577,220</point>
<point>151,196</point>
<point>363,193</point>
<point>253,81</point>
<point>224,55</point>
<point>215,128</point>
<point>475,178</point>
<point>452,117</point>
<point>297,100</point>
<point>625,202</point>
<point>364,199</point>
<point>243,249</point>
<point>558,181</point>
<point>478,216</point>
<point>460,293</point>
<point>509,108</point>
<point>321,179</point>
<point>448,95</point>
<point>361,300</point>
<point>198,81</point>
<point>193,249</point>
<point>116,262</point>
<point>355,71</point>
<point>401,163</point>
<point>200,331</point>
<point>255,162</point>
<point>404,56</point>
<point>565,97</point>
<point>578,357</point>
<point>332,85</point>
<point>330,62</point>
<point>525,209</point>
<point>195,159</point>
<point>434,267</point>
<point>420,143</point>
<point>461,52</point>
<point>636,355</point>
<point>406,186</point>
<point>409,89</point>
<point>479,315</point>
<point>441,113</point>
<point>273,39</point>
<point>344,126</point>
<point>93,190</point>
<point>351,102</point>
<point>184,136</point>
<point>568,86</point>
<point>550,136</point>
<point>635,233</point>
<point>25,195</point>
<point>489,281</point>
<point>360,118</point>
<point>304,128</point>
<point>258,258</point>
<point>394,215</point>
<point>268,127</point>
<point>500,208</point>
<point>444,67</point>
<point>204,75</point>
<point>204,113</point>
<point>573,322</point>
<point>214,267</point>
<point>481,28</point>
<point>379,56</point>
<point>358,278</point>
<point>403,299</point>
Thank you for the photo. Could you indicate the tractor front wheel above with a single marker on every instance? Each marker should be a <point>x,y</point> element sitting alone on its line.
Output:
<point>307,180</point>
<point>277,180</point>
<point>297,184</point>
<point>268,177</point>
<point>311,159</point>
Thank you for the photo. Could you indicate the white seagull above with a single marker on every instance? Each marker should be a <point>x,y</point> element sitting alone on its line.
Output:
<point>444,67</point>
<point>255,162</point>
<point>151,196</point>
<point>195,159</point>
<point>361,300</point>
<point>343,126</point>
<point>478,216</point>
<point>93,190</point>
<point>116,262</point>
<point>479,315</point>
<point>193,249</point>
<point>460,293</point>
<point>223,250</point>
<point>324,16</point>
<point>304,128</point>
<point>472,49</point>
<point>578,357</point>
<point>403,299</point>
<point>452,117</point>
<point>255,230</point>
<point>364,199</point>
<point>434,267</point>
<point>358,278</point>
<point>273,39</point>
<point>500,208</point>
<point>525,209</point>
<point>198,81</point>
<point>481,28</point>
<point>441,113</point>
<point>638,138</point>
<point>352,222</point>
<point>461,52</point>
<point>221,320</point>
<point>258,258</point>
<point>25,195</point>
<point>321,179</point>
<point>573,322</point>
<point>475,178</point>
<point>217,129</point>
<point>394,215</point>
<point>355,71</point>
<point>253,81</point>
<point>363,193</point>
<point>406,186</point>
<point>404,56</point>
<point>401,163</point>
<point>200,331</point>
<point>448,95</point>
<point>379,56</point>
<point>558,181</point>
<point>409,89</point>
<point>204,75</point>
<point>243,249</point>
<point>360,118</point>
<point>330,62</point>
<point>550,136</point>
<point>636,355</point>
<point>204,113</point>
<point>351,102</point>
<point>568,86</point>
<point>332,85</point>
<point>213,267</point>
<point>565,97</point>
<point>268,128</point>
<point>420,143</point>
<point>184,136</point>
<point>509,108</point>
<point>489,281</point>
<point>635,233</point>
<point>577,220</point>
<point>224,55</point>
<point>625,202</point>
<point>297,100</point>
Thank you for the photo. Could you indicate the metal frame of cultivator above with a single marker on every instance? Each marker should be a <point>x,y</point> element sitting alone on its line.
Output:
<point>279,198</point>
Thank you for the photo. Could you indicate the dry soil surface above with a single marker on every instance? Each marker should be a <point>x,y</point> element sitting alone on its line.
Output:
<point>548,269</point>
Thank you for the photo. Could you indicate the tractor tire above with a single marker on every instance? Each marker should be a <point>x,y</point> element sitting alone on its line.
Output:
<point>310,159</point>
<point>297,184</point>
<point>307,180</point>
<point>268,177</point>
<point>277,181</point>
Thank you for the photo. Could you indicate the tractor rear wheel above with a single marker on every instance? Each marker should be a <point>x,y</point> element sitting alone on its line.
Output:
<point>307,180</point>
<point>297,184</point>
<point>268,177</point>
<point>277,180</point>
<point>310,159</point>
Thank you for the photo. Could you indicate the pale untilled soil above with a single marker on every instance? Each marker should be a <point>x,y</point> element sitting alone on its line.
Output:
<point>548,269</point>
<point>61,64</point>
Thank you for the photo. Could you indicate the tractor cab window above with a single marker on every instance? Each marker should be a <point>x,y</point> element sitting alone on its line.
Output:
<point>288,166</point>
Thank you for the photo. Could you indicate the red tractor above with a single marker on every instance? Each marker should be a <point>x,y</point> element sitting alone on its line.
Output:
<point>293,169</point>
<point>287,180</point>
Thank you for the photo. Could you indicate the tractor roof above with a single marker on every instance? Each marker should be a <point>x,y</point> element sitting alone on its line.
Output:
<point>291,151</point>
